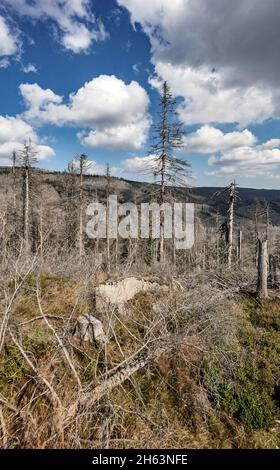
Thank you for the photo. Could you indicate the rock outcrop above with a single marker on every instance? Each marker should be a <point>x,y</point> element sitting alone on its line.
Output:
<point>118,293</point>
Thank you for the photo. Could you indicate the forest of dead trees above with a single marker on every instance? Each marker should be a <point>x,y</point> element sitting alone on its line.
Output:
<point>46,219</point>
<point>39,222</point>
<point>182,339</point>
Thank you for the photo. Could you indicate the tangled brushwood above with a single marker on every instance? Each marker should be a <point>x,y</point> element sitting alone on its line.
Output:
<point>193,361</point>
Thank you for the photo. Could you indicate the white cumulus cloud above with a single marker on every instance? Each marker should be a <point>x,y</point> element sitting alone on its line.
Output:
<point>208,139</point>
<point>140,165</point>
<point>13,133</point>
<point>221,57</point>
<point>260,160</point>
<point>9,44</point>
<point>111,113</point>
<point>77,26</point>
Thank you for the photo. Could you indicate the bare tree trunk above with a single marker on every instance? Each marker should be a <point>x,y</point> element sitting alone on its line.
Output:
<point>230,222</point>
<point>27,158</point>
<point>41,231</point>
<point>262,269</point>
<point>173,250</point>
<point>14,178</point>
<point>81,242</point>
<point>117,253</point>
<point>107,217</point>
<point>96,244</point>
<point>26,210</point>
<point>217,241</point>
<point>161,240</point>
<point>107,234</point>
<point>81,238</point>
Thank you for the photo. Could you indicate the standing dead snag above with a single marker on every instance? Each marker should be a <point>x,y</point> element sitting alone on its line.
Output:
<point>169,169</point>
<point>108,180</point>
<point>226,228</point>
<point>262,269</point>
<point>82,167</point>
<point>14,160</point>
<point>232,189</point>
<point>27,158</point>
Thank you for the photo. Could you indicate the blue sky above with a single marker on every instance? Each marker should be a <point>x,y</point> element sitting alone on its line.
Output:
<point>83,76</point>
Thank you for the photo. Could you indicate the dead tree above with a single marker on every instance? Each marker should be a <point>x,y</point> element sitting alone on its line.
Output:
<point>82,167</point>
<point>108,181</point>
<point>262,269</point>
<point>226,228</point>
<point>232,189</point>
<point>14,159</point>
<point>169,169</point>
<point>27,158</point>
<point>70,205</point>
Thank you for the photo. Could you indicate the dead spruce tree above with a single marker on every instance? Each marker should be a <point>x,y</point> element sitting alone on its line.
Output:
<point>14,160</point>
<point>226,229</point>
<point>70,205</point>
<point>232,196</point>
<point>168,168</point>
<point>262,269</point>
<point>82,160</point>
<point>108,181</point>
<point>27,158</point>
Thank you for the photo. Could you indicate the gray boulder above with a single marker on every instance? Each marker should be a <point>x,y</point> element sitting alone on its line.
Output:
<point>88,328</point>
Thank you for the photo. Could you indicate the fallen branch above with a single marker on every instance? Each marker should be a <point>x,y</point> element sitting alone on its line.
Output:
<point>90,398</point>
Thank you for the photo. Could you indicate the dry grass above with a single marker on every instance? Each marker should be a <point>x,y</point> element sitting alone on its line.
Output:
<point>176,400</point>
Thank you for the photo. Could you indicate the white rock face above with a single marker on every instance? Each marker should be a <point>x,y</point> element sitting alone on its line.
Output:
<point>120,292</point>
<point>90,329</point>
